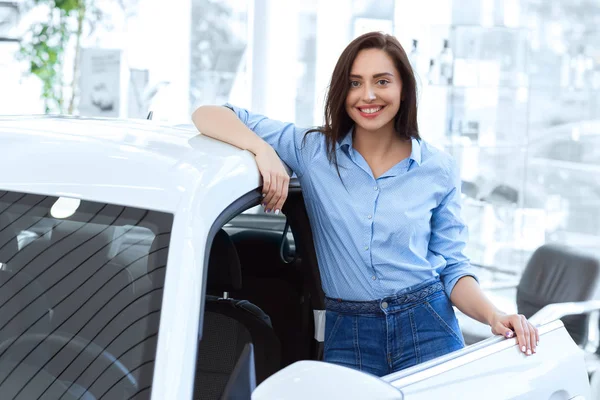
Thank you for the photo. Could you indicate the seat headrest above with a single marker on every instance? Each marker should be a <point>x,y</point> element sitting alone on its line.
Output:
<point>260,252</point>
<point>224,270</point>
<point>558,273</point>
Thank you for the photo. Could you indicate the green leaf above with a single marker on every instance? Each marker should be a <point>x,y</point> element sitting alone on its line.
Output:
<point>68,5</point>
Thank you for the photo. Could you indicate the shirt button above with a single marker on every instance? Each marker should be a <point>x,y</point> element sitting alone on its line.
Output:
<point>369,216</point>
<point>366,247</point>
<point>375,188</point>
<point>373,277</point>
<point>384,305</point>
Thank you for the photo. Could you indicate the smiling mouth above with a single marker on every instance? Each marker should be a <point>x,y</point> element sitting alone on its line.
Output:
<point>371,110</point>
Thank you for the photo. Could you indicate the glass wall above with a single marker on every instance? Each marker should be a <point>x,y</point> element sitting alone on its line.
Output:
<point>522,117</point>
<point>511,88</point>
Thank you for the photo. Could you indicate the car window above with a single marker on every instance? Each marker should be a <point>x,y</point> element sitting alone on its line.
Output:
<point>80,294</point>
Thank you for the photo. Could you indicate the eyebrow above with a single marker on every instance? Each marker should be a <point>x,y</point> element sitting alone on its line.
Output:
<point>379,75</point>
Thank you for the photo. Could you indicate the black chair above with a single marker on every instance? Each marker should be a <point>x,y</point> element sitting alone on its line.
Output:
<point>229,324</point>
<point>559,274</point>
<point>558,282</point>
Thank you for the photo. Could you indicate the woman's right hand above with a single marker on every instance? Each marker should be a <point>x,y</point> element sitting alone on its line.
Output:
<point>275,179</point>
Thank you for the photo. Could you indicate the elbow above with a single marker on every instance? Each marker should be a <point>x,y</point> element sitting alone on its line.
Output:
<point>197,113</point>
<point>201,116</point>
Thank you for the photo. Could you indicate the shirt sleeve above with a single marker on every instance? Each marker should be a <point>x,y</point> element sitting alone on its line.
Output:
<point>449,234</point>
<point>287,139</point>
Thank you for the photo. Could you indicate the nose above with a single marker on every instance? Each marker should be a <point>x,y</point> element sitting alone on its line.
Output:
<point>368,93</point>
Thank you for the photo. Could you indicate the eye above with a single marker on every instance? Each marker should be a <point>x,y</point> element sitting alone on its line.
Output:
<point>354,84</point>
<point>383,82</point>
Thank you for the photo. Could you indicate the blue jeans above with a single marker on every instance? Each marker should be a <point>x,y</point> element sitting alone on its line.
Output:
<point>394,333</point>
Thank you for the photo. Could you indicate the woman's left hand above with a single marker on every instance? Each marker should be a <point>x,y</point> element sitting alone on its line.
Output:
<point>528,336</point>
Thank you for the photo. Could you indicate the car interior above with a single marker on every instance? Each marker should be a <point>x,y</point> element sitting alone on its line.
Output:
<point>262,289</point>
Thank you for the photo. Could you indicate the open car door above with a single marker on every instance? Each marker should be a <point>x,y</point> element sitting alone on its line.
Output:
<point>497,369</point>
<point>492,369</point>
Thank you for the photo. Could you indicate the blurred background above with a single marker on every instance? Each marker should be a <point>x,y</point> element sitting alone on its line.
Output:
<point>510,87</point>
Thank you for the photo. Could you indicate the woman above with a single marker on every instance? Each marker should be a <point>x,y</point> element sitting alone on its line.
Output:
<point>384,208</point>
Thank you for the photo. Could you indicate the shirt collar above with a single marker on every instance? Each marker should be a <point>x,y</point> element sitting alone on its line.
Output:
<point>415,154</point>
<point>346,143</point>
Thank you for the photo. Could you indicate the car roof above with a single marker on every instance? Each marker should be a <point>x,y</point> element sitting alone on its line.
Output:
<point>128,162</point>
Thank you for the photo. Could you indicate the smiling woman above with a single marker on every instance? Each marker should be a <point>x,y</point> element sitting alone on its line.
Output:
<point>384,208</point>
<point>372,87</point>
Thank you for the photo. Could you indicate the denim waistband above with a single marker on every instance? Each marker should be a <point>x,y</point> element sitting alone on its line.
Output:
<point>375,306</point>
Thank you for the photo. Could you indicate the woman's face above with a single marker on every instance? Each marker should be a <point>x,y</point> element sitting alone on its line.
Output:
<point>375,90</point>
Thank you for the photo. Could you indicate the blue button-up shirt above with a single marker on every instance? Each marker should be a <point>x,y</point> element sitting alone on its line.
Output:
<point>374,237</point>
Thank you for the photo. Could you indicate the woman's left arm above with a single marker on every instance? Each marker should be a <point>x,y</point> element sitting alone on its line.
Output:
<point>468,297</point>
<point>448,239</point>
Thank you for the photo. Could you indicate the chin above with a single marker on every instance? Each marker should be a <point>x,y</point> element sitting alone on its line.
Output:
<point>372,125</point>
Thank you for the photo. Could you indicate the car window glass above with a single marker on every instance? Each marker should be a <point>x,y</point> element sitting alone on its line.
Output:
<point>80,294</point>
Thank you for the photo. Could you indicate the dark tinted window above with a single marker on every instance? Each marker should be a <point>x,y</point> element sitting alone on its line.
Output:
<point>80,295</point>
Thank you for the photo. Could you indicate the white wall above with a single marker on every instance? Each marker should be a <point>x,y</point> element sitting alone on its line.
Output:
<point>163,47</point>
<point>334,32</point>
<point>275,55</point>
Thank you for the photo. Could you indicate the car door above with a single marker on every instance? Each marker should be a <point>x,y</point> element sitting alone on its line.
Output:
<point>492,369</point>
<point>497,369</point>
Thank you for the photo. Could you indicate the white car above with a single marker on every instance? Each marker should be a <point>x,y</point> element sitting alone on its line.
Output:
<point>122,248</point>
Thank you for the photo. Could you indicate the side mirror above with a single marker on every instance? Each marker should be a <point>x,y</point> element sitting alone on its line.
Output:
<point>320,380</point>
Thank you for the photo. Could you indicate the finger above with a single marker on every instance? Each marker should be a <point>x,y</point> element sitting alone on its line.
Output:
<point>276,196</point>
<point>266,186</point>
<point>284,193</point>
<point>528,335</point>
<point>500,329</point>
<point>505,331</point>
<point>518,328</point>
<point>273,190</point>
<point>532,336</point>
<point>535,337</point>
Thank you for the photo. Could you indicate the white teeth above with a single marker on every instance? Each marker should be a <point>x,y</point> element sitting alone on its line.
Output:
<point>371,110</point>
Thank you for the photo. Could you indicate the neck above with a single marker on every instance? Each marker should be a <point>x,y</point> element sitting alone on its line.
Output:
<point>377,143</point>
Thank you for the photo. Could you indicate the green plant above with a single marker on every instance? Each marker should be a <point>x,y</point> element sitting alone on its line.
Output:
<point>44,46</point>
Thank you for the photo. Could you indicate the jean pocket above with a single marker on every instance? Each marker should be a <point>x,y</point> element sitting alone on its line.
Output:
<point>441,310</point>
<point>332,323</point>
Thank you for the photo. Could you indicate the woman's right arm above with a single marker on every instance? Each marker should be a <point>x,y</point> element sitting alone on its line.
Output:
<point>222,124</point>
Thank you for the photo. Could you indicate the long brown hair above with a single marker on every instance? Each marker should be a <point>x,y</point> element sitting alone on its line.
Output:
<point>337,122</point>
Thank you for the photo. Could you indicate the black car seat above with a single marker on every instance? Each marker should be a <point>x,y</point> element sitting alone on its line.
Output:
<point>229,324</point>
<point>278,288</point>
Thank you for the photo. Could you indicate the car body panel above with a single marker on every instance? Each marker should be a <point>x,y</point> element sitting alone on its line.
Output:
<point>317,380</point>
<point>497,369</point>
<point>134,164</point>
<point>494,369</point>
<point>140,165</point>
